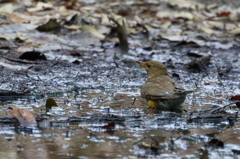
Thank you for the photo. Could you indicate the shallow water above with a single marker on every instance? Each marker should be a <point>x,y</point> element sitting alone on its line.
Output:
<point>98,124</point>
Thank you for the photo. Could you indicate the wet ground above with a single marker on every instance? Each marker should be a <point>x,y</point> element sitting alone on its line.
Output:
<point>100,113</point>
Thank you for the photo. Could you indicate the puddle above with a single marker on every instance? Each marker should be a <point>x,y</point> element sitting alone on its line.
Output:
<point>99,123</point>
<point>100,114</point>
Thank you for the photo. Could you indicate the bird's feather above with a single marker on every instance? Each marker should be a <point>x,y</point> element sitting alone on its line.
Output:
<point>162,87</point>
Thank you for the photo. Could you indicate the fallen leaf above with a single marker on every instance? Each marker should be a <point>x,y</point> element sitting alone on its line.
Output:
<point>8,8</point>
<point>105,20</point>
<point>223,14</point>
<point>49,104</point>
<point>186,4</point>
<point>51,25</point>
<point>211,83</point>
<point>166,25</point>
<point>236,97</point>
<point>24,116</point>
<point>174,14</point>
<point>92,30</point>
<point>215,24</point>
<point>40,6</point>
<point>3,37</point>
<point>64,11</point>
<point>138,19</point>
<point>235,31</point>
<point>73,27</point>
<point>16,18</point>
<point>17,67</point>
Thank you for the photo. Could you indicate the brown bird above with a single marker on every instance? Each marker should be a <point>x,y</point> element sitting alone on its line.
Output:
<point>24,116</point>
<point>160,90</point>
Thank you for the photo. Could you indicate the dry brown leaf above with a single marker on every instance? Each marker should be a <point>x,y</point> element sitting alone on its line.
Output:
<point>223,14</point>
<point>105,20</point>
<point>235,97</point>
<point>166,25</point>
<point>4,37</point>
<point>51,25</point>
<point>64,11</point>
<point>17,67</point>
<point>211,83</point>
<point>133,30</point>
<point>215,24</point>
<point>205,29</point>
<point>211,6</point>
<point>174,14</point>
<point>138,19</point>
<point>16,18</point>
<point>154,25</point>
<point>185,4</point>
<point>92,30</point>
<point>173,35</point>
<point>8,8</point>
<point>24,116</point>
<point>104,30</point>
<point>73,27</point>
<point>235,31</point>
<point>28,46</point>
<point>40,6</point>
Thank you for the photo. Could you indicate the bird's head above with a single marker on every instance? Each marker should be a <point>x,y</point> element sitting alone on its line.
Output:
<point>154,68</point>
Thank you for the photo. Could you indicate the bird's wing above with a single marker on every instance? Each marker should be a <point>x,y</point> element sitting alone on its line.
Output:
<point>156,90</point>
<point>162,88</point>
<point>177,87</point>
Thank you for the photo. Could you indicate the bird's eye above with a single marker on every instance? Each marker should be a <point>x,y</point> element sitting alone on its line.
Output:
<point>148,66</point>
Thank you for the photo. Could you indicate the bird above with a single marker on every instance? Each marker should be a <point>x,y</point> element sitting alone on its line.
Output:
<point>23,115</point>
<point>160,90</point>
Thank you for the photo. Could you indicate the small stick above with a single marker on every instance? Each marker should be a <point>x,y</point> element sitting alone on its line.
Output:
<point>133,102</point>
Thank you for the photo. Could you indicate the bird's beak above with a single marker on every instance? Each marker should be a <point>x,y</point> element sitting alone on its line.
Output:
<point>143,64</point>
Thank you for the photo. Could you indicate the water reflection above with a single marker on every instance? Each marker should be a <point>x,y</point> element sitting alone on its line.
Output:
<point>99,125</point>
<point>111,140</point>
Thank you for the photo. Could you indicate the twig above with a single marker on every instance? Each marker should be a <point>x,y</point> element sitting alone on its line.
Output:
<point>133,102</point>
